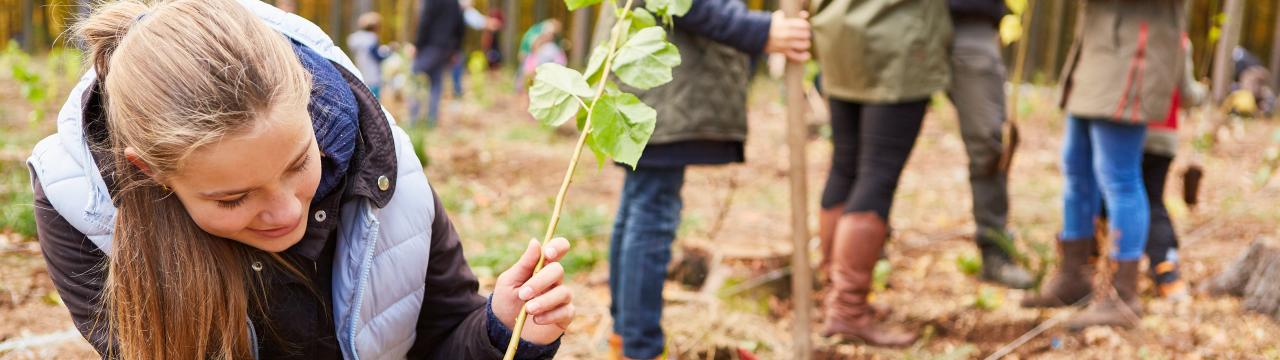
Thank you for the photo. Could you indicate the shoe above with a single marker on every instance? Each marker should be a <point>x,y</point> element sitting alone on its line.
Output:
<point>1072,281</point>
<point>1116,301</point>
<point>1168,281</point>
<point>615,350</point>
<point>998,268</point>
<point>858,241</point>
<point>827,219</point>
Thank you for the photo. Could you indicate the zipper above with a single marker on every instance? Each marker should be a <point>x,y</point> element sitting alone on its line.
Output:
<point>1134,78</point>
<point>363,282</point>
<point>253,338</point>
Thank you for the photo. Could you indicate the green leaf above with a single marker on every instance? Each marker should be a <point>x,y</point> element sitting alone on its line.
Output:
<point>679,7</point>
<point>666,9</point>
<point>658,7</point>
<point>620,127</point>
<point>556,93</point>
<point>578,4</point>
<point>596,62</point>
<point>646,60</point>
<point>641,18</point>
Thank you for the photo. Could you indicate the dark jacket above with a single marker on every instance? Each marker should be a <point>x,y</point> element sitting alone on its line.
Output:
<point>454,321</point>
<point>702,112</point>
<point>439,37</point>
<point>981,10</point>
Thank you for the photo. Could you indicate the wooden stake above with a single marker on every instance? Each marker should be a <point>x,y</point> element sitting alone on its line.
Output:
<point>1009,136</point>
<point>797,134</point>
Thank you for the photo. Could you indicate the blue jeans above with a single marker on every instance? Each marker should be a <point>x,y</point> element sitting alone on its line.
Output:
<point>457,70</point>
<point>639,252</point>
<point>1102,161</point>
<point>435,76</point>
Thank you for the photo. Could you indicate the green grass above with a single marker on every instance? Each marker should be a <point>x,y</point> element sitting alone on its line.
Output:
<point>41,82</point>
<point>504,242</point>
<point>17,214</point>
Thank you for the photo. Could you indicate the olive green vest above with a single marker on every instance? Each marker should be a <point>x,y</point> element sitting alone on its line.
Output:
<point>707,96</point>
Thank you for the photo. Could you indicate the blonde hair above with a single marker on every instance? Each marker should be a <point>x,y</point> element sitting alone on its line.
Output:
<point>176,76</point>
<point>369,21</point>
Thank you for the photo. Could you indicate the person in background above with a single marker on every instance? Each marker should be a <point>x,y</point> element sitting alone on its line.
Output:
<point>289,6</point>
<point>1157,156</point>
<point>544,49</point>
<point>1120,76</point>
<point>881,62</point>
<point>491,39</point>
<point>977,92</point>
<point>702,120</point>
<point>530,41</point>
<point>439,39</point>
<point>368,50</point>
<point>476,21</point>
<point>1251,93</point>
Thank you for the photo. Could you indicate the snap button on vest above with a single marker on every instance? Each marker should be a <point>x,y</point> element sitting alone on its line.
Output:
<point>321,215</point>
<point>384,183</point>
<point>257,266</point>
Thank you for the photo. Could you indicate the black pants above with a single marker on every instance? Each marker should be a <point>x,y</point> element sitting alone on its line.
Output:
<point>871,145</point>
<point>1161,240</point>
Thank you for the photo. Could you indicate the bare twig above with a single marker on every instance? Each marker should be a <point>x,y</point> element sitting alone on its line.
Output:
<point>755,282</point>
<point>1033,333</point>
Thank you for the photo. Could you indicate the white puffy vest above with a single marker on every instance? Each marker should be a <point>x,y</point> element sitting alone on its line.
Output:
<point>380,264</point>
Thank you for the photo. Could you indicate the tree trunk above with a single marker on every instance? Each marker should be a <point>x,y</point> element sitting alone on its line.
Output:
<point>1255,276</point>
<point>1223,65</point>
<point>511,32</point>
<point>409,12</point>
<point>1055,40</point>
<point>579,50</point>
<point>335,23</point>
<point>28,28</point>
<point>1275,53</point>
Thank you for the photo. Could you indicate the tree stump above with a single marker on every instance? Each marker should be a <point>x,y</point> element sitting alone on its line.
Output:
<point>1254,276</point>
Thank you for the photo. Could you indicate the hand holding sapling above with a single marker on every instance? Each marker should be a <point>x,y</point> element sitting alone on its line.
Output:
<point>615,124</point>
<point>543,295</point>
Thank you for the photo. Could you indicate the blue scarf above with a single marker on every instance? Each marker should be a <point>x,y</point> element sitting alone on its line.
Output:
<point>334,117</point>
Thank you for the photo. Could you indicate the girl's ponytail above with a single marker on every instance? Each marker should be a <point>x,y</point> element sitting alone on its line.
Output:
<point>104,30</point>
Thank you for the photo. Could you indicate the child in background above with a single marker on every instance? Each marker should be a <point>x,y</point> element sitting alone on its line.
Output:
<point>544,49</point>
<point>1157,154</point>
<point>702,121</point>
<point>1110,95</point>
<point>368,51</point>
<point>476,21</point>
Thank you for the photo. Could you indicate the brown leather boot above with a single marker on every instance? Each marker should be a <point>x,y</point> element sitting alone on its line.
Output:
<point>1116,301</point>
<point>859,239</point>
<point>1073,279</point>
<point>827,219</point>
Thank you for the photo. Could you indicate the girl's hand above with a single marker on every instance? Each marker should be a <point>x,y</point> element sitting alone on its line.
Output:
<point>550,303</point>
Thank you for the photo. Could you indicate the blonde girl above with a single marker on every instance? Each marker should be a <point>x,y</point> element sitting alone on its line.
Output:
<point>222,185</point>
